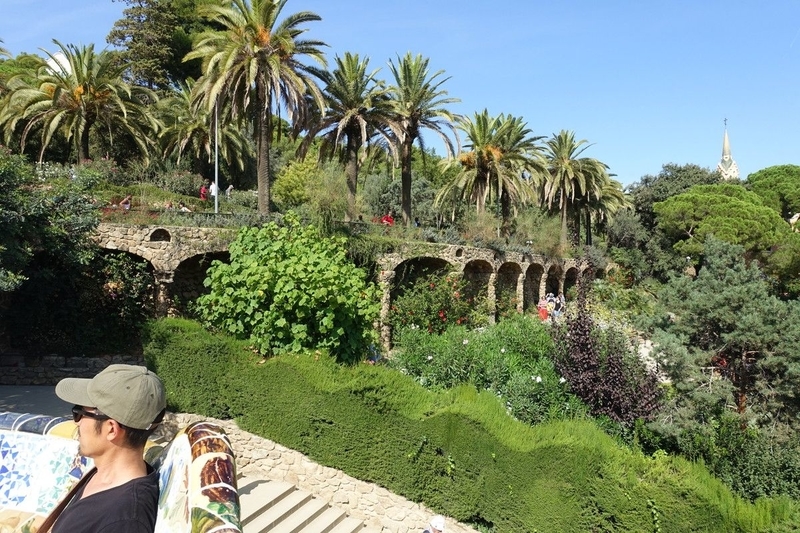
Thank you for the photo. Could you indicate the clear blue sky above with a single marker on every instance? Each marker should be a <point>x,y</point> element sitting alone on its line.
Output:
<point>647,82</point>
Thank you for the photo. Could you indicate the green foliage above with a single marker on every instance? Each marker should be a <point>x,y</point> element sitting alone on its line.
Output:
<point>291,186</point>
<point>286,288</point>
<point>747,460</point>
<point>73,309</point>
<point>512,359</point>
<point>457,451</point>
<point>54,215</point>
<point>195,369</point>
<point>432,304</point>
<point>671,181</point>
<point>779,187</point>
<point>731,324</point>
<point>728,211</point>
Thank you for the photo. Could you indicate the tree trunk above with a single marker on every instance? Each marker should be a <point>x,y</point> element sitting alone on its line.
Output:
<point>588,228</point>
<point>263,138</point>
<point>563,237</point>
<point>405,178</point>
<point>505,212</point>
<point>351,171</point>
<point>83,143</point>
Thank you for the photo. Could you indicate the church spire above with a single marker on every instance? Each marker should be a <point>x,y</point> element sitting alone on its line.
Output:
<point>727,166</point>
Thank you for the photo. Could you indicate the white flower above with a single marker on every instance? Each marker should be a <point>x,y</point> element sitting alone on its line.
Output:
<point>562,380</point>
<point>538,379</point>
<point>465,342</point>
<point>502,350</point>
<point>430,358</point>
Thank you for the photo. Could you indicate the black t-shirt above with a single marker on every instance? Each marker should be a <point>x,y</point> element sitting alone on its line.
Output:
<point>129,508</point>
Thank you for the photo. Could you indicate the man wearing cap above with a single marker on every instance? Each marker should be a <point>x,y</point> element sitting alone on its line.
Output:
<point>116,411</point>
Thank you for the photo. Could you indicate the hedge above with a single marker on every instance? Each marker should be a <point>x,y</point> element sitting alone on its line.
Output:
<point>458,451</point>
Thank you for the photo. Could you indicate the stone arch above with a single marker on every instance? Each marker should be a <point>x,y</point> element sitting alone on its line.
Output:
<point>187,281</point>
<point>553,281</point>
<point>533,281</point>
<point>160,235</point>
<point>478,275</point>
<point>570,278</point>
<point>507,296</point>
<point>410,270</point>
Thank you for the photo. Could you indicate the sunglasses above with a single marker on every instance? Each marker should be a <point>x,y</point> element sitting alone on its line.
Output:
<point>79,412</point>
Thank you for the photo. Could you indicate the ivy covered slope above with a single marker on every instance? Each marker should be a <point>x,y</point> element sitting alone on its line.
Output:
<point>457,451</point>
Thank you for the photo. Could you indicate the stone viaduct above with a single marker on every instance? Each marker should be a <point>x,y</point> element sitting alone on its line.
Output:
<point>180,256</point>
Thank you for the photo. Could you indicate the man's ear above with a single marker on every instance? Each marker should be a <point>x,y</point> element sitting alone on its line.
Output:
<point>115,431</point>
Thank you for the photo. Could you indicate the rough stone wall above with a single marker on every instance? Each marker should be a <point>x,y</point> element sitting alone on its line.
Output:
<point>49,369</point>
<point>264,459</point>
<point>166,256</point>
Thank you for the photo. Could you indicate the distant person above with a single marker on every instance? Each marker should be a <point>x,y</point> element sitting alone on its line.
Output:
<point>542,307</point>
<point>436,525</point>
<point>228,192</point>
<point>417,222</point>
<point>182,208</point>
<point>213,190</point>
<point>125,203</point>
<point>387,219</point>
<point>204,192</point>
<point>116,411</point>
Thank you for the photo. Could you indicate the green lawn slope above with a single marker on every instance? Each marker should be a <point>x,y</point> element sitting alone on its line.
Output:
<point>457,451</point>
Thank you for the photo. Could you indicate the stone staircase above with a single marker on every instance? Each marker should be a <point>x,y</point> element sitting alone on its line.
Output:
<point>280,507</point>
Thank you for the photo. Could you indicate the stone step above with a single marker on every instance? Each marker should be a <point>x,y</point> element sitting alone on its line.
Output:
<point>272,518</point>
<point>305,515</point>
<point>325,521</point>
<point>348,525</point>
<point>280,507</point>
<point>257,495</point>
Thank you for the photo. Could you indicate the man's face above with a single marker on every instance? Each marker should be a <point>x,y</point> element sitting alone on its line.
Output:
<point>91,433</point>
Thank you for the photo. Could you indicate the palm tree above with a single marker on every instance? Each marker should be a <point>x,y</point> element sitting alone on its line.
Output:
<point>188,130</point>
<point>503,157</point>
<point>569,177</point>
<point>3,51</point>
<point>76,90</point>
<point>417,100</point>
<point>253,66</point>
<point>601,208</point>
<point>358,108</point>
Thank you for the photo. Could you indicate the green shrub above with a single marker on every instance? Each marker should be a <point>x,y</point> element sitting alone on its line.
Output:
<point>287,289</point>
<point>195,366</point>
<point>455,450</point>
<point>431,304</point>
<point>512,359</point>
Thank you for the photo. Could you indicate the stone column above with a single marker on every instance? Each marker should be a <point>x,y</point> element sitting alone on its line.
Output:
<point>385,280</point>
<point>163,293</point>
<point>521,292</point>
<point>491,297</point>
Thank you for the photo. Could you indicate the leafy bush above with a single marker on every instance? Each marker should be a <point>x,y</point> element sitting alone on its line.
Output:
<point>432,304</point>
<point>286,288</point>
<point>511,359</point>
<point>600,369</point>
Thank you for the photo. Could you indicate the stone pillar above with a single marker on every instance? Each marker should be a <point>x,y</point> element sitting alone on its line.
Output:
<point>521,293</point>
<point>163,293</point>
<point>543,285</point>
<point>385,280</point>
<point>491,297</point>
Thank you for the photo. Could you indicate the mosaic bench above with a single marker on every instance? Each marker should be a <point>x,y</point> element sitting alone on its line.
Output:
<point>39,463</point>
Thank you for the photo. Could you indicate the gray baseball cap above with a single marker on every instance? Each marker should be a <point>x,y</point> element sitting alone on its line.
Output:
<point>131,395</point>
